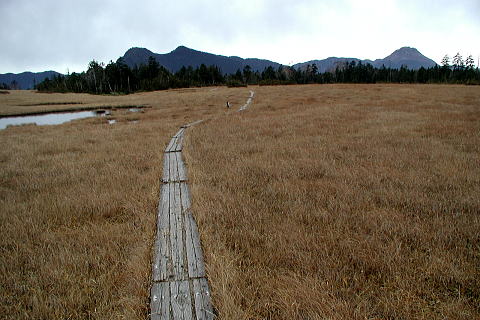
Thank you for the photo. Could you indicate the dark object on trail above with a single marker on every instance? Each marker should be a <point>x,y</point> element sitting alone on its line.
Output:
<point>228,105</point>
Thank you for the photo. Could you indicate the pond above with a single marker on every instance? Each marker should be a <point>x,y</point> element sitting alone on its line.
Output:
<point>56,118</point>
<point>46,119</point>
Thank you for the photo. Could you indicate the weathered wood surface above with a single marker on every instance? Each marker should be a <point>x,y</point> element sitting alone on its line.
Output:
<point>181,300</point>
<point>180,288</point>
<point>188,299</point>
<point>178,252</point>
<point>160,301</point>
<point>203,305</point>
<point>173,167</point>
<point>176,142</point>
<point>161,259</point>
<point>196,267</point>
<point>179,132</point>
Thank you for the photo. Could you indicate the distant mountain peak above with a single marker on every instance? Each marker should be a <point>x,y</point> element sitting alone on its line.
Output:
<point>184,56</point>
<point>407,49</point>
<point>136,50</point>
<point>408,56</point>
<point>406,53</point>
<point>405,56</point>
<point>182,49</point>
<point>135,54</point>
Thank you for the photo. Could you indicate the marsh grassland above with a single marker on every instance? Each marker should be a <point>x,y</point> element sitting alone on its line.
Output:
<point>318,202</point>
<point>342,202</point>
<point>78,202</point>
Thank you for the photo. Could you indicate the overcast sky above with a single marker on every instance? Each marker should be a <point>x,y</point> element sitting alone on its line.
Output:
<point>61,35</point>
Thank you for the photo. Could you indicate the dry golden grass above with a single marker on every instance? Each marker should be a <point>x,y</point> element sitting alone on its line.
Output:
<point>28,101</point>
<point>78,203</point>
<point>342,202</point>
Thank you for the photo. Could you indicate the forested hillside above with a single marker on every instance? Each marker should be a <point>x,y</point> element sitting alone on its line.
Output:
<point>118,77</point>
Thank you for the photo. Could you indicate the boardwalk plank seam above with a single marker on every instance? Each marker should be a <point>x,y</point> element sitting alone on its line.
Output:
<point>180,287</point>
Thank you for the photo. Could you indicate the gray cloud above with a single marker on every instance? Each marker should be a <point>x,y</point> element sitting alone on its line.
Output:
<point>56,34</point>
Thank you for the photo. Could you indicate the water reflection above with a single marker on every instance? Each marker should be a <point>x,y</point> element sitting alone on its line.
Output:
<point>46,119</point>
<point>58,118</point>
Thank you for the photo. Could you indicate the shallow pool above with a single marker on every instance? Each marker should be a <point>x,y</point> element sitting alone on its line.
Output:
<point>46,119</point>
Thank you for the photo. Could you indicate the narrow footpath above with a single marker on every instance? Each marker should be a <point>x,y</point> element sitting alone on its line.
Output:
<point>180,287</point>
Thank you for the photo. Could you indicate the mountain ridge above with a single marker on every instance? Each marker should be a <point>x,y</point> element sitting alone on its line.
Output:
<point>410,57</point>
<point>26,80</point>
<point>184,56</point>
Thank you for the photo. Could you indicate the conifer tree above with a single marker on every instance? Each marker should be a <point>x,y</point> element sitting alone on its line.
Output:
<point>469,62</point>
<point>446,61</point>
<point>458,61</point>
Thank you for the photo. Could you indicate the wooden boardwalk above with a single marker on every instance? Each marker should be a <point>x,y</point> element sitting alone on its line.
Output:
<point>249,100</point>
<point>180,287</point>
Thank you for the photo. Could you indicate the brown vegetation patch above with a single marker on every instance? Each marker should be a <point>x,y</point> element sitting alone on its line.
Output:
<point>342,202</point>
<point>27,101</point>
<point>48,104</point>
<point>79,204</point>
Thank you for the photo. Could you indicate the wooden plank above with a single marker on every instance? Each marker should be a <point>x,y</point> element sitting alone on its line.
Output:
<point>166,264</point>
<point>177,251</point>
<point>172,230</point>
<point>175,144</point>
<point>176,233</point>
<point>203,303</point>
<point>166,167</point>
<point>185,194</point>
<point>181,300</point>
<point>160,301</point>
<point>196,266</point>
<point>178,141</point>
<point>161,250</point>
<point>182,174</point>
<point>170,144</point>
<point>174,168</point>
<point>178,144</point>
<point>249,101</point>
<point>173,176</point>
<point>179,132</point>
<point>189,246</point>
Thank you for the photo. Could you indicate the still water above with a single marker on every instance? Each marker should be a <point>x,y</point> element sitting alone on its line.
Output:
<point>50,118</point>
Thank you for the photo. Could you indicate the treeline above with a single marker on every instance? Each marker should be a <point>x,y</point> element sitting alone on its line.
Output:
<point>118,77</point>
<point>354,72</point>
<point>14,85</point>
